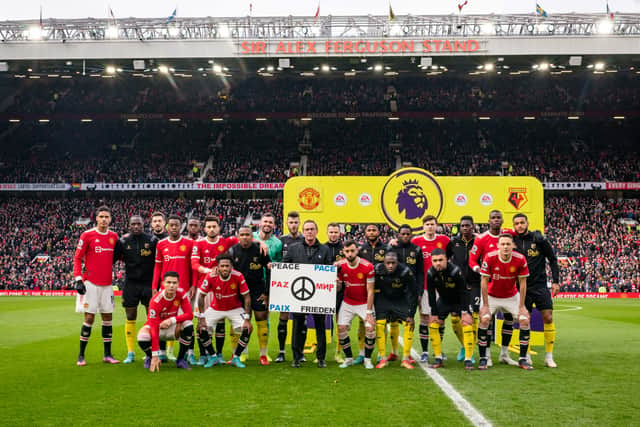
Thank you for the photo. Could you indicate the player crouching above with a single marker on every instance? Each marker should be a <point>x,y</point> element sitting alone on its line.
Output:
<point>169,318</point>
<point>228,287</point>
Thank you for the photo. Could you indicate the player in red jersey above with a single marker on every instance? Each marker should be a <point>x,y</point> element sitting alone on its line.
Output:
<point>173,254</point>
<point>427,243</point>
<point>483,244</point>
<point>94,283</point>
<point>508,271</point>
<point>203,260</point>
<point>357,277</point>
<point>169,318</point>
<point>230,294</point>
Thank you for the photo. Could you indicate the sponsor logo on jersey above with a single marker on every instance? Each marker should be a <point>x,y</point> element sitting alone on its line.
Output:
<point>408,195</point>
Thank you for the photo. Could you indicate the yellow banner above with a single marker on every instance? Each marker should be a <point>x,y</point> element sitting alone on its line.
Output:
<point>408,195</point>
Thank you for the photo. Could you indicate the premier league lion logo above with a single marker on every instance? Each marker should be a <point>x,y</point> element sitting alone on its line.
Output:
<point>411,200</point>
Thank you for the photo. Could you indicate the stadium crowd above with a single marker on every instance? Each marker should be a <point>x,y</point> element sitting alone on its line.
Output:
<point>249,151</point>
<point>445,93</point>
<point>594,247</point>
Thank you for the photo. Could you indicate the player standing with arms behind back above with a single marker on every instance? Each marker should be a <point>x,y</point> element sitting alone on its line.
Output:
<point>506,269</point>
<point>537,250</point>
<point>94,284</point>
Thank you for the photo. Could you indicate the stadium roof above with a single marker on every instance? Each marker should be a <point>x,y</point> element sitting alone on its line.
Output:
<point>340,36</point>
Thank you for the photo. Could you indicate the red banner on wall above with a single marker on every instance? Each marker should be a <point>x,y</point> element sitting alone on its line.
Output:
<point>597,295</point>
<point>29,293</point>
<point>623,185</point>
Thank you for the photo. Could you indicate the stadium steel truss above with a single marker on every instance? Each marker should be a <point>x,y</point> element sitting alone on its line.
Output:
<point>325,27</point>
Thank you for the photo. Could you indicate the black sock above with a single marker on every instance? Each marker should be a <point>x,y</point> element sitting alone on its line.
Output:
<point>346,346</point>
<point>524,342</point>
<point>219,337</point>
<point>204,340</point>
<point>146,347</point>
<point>423,331</point>
<point>369,342</point>
<point>202,348</point>
<point>282,334</point>
<point>186,338</point>
<point>193,342</point>
<point>163,346</point>
<point>441,330</point>
<point>242,342</point>
<point>85,333</point>
<point>107,336</point>
<point>483,342</point>
<point>507,330</point>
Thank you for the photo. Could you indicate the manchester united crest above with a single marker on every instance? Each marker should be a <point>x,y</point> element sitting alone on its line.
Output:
<point>309,198</point>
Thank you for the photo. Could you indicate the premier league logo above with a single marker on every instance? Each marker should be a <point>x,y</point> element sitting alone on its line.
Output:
<point>411,200</point>
<point>408,195</point>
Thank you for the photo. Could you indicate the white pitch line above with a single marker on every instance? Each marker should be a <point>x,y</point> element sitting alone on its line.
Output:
<point>463,405</point>
<point>571,307</point>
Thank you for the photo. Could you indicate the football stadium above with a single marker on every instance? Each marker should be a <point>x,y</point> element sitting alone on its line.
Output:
<point>322,219</point>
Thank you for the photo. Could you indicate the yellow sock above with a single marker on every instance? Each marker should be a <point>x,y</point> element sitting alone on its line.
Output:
<point>467,332</point>
<point>394,334</point>
<point>475,328</point>
<point>130,335</point>
<point>361,336</point>
<point>549,336</point>
<point>170,347</point>
<point>456,325</point>
<point>436,342</point>
<point>234,338</point>
<point>263,335</point>
<point>407,337</point>
<point>381,339</point>
<point>338,346</point>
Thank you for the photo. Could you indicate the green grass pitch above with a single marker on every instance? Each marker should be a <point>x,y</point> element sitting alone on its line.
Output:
<point>597,382</point>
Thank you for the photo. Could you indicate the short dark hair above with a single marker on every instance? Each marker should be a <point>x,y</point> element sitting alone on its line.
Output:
<point>171,274</point>
<point>158,213</point>
<point>269,214</point>
<point>520,215</point>
<point>103,208</point>
<point>350,242</point>
<point>405,226</point>
<point>136,216</point>
<point>333,224</point>
<point>174,216</point>
<point>372,224</point>
<point>438,251</point>
<point>245,226</point>
<point>293,214</point>
<point>467,218</point>
<point>429,218</point>
<point>495,211</point>
<point>507,235</point>
<point>211,218</point>
<point>391,253</point>
<point>224,256</point>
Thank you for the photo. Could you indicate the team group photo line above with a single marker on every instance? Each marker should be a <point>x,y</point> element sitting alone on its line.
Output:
<point>190,285</point>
